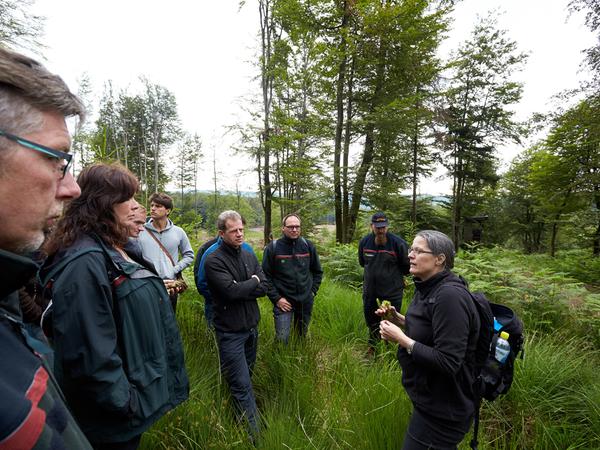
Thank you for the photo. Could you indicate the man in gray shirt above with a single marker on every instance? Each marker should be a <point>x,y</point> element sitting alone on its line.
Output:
<point>162,243</point>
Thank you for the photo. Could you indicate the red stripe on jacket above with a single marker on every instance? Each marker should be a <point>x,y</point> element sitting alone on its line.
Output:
<point>28,432</point>
<point>366,250</point>
<point>297,255</point>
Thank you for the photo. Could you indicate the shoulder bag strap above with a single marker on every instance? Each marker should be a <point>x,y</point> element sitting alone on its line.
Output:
<point>162,247</point>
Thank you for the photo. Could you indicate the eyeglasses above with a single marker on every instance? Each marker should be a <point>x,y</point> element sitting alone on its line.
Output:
<point>292,227</point>
<point>418,251</point>
<point>57,154</point>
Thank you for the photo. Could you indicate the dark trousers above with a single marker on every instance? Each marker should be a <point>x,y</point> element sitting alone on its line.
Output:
<point>372,319</point>
<point>237,352</point>
<point>300,315</point>
<point>426,432</point>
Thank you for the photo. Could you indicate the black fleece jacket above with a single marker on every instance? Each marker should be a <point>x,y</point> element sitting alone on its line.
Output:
<point>293,269</point>
<point>439,374</point>
<point>229,273</point>
<point>385,266</point>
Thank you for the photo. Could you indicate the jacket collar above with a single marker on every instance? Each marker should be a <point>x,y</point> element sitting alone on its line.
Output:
<point>231,250</point>
<point>424,287</point>
<point>150,225</point>
<point>287,240</point>
<point>15,271</point>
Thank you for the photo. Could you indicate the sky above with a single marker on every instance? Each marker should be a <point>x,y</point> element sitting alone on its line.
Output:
<point>203,52</point>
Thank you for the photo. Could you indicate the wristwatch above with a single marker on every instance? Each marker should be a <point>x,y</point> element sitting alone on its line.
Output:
<point>410,347</point>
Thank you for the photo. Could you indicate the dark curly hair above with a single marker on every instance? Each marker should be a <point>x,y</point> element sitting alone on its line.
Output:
<point>102,187</point>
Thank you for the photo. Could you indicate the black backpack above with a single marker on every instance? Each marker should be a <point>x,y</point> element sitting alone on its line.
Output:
<point>492,378</point>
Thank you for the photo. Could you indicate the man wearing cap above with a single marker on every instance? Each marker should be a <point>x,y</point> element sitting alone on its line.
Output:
<point>384,257</point>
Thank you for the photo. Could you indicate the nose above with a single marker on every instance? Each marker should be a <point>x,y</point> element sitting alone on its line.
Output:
<point>68,188</point>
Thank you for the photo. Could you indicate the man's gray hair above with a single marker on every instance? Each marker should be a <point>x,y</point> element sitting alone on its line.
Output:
<point>225,216</point>
<point>439,244</point>
<point>27,89</point>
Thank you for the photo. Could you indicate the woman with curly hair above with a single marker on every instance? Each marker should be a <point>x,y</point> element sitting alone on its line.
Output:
<point>118,353</point>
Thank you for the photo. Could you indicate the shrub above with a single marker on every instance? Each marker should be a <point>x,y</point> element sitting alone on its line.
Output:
<point>340,263</point>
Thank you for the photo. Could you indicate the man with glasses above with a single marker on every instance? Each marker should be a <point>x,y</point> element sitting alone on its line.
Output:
<point>384,257</point>
<point>34,184</point>
<point>294,272</point>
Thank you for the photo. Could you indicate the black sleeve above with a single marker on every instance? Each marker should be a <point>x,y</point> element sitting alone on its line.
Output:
<point>223,285</point>
<point>451,327</point>
<point>262,287</point>
<point>361,259</point>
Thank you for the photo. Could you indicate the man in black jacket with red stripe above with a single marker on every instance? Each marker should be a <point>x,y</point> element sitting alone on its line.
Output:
<point>35,182</point>
<point>385,259</point>
<point>236,280</point>
<point>293,269</point>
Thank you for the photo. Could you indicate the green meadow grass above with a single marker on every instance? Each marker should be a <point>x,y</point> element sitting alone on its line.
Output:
<point>322,393</point>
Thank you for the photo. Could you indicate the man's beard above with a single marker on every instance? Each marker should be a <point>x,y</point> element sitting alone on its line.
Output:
<point>381,239</point>
<point>30,246</point>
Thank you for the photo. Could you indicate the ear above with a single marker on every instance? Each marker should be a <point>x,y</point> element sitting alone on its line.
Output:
<point>440,260</point>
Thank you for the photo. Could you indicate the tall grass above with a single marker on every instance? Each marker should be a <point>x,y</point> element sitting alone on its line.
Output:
<point>321,393</point>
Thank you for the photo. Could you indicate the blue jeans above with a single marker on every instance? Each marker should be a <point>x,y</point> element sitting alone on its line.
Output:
<point>301,313</point>
<point>237,352</point>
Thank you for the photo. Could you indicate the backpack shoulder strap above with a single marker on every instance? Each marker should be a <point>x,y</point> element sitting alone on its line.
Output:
<point>433,297</point>
<point>273,245</point>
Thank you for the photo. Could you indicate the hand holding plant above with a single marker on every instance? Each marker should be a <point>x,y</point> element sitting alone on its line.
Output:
<point>388,312</point>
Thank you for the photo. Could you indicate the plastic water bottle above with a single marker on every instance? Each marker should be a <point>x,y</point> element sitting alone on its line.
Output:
<point>502,347</point>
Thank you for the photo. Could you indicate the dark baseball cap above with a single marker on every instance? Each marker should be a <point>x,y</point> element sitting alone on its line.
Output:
<point>379,220</point>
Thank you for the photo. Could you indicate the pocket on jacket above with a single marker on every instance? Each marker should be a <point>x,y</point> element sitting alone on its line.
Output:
<point>151,386</point>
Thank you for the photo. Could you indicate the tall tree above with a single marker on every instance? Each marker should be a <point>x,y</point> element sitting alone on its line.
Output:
<point>476,115</point>
<point>269,33</point>
<point>137,131</point>
<point>522,209</point>
<point>574,141</point>
<point>80,148</point>
<point>394,62</point>
<point>162,124</point>
<point>187,155</point>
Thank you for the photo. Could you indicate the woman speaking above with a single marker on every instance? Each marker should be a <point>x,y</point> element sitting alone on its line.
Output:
<point>436,349</point>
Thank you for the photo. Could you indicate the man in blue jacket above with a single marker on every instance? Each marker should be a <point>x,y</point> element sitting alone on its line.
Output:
<point>293,269</point>
<point>385,259</point>
<point>34,184</point>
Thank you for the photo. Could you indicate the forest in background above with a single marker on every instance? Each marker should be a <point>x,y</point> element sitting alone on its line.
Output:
<point>344,78</point>
<point>353,108</point>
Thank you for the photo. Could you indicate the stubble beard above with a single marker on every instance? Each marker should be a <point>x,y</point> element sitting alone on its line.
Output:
<point>380,239</point>
<point>32,245</point>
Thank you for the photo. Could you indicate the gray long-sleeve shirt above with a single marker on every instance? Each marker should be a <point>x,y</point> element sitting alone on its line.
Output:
<point>174,239</point>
